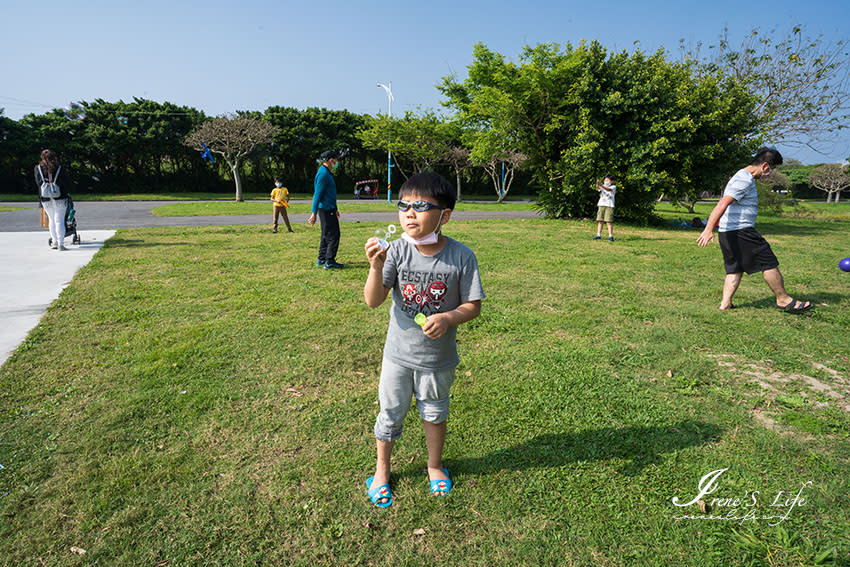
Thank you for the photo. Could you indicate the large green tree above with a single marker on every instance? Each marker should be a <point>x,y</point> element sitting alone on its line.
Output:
<point>14,142</point>
<point>418,141</point>
<point>578,113</point>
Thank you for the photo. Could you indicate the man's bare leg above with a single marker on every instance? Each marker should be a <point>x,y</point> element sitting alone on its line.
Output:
<point>773,278</point>
<point>730,286</point>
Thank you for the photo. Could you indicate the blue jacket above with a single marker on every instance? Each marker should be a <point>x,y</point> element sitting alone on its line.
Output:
<point>324,190</point>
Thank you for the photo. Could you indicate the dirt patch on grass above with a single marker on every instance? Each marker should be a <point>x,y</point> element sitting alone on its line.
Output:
<point>780,391</point>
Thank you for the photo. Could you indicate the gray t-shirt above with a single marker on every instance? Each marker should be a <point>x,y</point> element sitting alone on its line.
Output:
<point>742,212</point>
<point>427,284</point>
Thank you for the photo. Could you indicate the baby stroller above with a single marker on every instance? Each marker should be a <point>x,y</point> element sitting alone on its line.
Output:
<point>366,189</point>
<point>70,224</point>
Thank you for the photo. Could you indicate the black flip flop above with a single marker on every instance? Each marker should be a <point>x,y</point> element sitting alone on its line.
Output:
<point>793,308</point>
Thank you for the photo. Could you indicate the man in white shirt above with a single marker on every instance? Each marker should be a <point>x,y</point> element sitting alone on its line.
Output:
<point>744,249</point>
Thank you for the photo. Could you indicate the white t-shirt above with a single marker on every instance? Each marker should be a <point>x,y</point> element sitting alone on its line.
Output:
<point>606,196</point>
<point>742,212</point>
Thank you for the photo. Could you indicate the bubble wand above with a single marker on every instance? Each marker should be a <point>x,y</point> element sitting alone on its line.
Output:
<point>384,241</point>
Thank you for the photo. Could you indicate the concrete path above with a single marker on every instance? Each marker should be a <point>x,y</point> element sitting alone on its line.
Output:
<point>33,275</point>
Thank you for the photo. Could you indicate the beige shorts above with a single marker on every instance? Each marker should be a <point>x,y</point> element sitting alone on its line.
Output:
<point>605,214</point>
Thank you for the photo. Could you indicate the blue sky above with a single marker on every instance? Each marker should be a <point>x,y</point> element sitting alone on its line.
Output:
<point>220,56</point>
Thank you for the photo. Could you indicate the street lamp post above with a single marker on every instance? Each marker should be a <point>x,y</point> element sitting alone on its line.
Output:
<point>389,89</point>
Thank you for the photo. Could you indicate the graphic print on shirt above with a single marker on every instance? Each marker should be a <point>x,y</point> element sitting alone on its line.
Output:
<point>423,292</point>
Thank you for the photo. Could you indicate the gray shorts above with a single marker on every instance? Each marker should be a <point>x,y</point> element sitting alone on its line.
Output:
<point>398,384</point>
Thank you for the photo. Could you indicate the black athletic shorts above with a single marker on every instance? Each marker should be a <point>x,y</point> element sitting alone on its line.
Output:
<point>746,250</point>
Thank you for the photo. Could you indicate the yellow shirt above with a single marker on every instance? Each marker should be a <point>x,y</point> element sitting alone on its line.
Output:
<point>280,194</point>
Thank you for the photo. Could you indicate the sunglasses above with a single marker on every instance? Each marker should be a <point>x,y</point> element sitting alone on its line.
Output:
<point>418,206</point>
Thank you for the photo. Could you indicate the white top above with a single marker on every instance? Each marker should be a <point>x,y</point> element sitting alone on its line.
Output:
<point>742,212</point>
<point>606,196</point>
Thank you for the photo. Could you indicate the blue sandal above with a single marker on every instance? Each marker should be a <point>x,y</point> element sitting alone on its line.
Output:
<point>441,487</point>
<point>378,493</point>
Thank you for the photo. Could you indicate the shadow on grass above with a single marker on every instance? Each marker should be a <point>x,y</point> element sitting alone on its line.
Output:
<point>642,446</point>
<point>796,227</point>
<point>769,301</point>
<point>138,242</point>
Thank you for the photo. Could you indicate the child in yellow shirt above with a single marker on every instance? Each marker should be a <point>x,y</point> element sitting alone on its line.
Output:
<point>280,198</point>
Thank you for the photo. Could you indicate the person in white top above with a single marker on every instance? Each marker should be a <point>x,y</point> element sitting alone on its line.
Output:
<point>744,249</point>
<point>605,206</point>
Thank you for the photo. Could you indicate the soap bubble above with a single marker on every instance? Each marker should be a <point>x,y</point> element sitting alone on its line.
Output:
<point>75,112</point>
<point>122,120</point>
<point>384,236</point>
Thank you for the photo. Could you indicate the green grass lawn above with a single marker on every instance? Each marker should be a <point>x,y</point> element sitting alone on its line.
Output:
<point>206,396</point>
<point>809,210</point>
<point>233,208</point>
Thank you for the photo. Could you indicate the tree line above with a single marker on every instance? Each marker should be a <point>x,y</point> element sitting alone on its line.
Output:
<point>139,147</point>
<point>553,121</point>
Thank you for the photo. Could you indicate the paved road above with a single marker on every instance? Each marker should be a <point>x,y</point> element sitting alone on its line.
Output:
<point>111,215</point>
<point>33,275</point>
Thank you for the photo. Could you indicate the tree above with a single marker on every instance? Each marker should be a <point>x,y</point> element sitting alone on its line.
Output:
<point>16,161</point>
<point>802,84</point>
<point>500,163</point>
<point>420,140</point>
<point>304,134</point>
<point>458,158</point>
<point>832,178</point>
<point>578,113</point>
<point>233,138</point>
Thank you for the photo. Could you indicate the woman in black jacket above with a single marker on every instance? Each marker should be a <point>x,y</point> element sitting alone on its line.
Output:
<point>49,170</point>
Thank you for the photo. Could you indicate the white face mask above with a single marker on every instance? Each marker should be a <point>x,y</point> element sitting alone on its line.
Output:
<point>432,238</point>
<point>278,184</point>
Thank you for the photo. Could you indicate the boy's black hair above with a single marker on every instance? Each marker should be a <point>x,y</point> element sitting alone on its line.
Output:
<point>276,179</point>
<point>770,156</point>
<point>611,177</point>
<point>431,186</point>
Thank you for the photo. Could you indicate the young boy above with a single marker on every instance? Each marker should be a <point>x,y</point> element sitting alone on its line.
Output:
<point>437,277</point>
<point>605,207</point>
<point>280,198</point>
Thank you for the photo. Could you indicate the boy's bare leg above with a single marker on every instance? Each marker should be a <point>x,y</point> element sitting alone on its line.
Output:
<point>435,438</point>
<point>610,229</point>
<point>599,227</point>
<point>382,468</point>
<point>730,285</point>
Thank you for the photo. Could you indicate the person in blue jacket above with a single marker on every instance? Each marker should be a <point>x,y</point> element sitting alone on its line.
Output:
<point>324,204</point>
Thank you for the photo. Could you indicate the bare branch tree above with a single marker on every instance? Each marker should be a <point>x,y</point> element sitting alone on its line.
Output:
<point>802,84</point>
<point>510,160</point>
<point>458,158</point>
<point>832,178</point>
<point>233,138</point>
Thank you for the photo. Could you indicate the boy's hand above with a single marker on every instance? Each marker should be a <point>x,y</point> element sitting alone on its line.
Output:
<point>375,254</point>
<point>436,326</point>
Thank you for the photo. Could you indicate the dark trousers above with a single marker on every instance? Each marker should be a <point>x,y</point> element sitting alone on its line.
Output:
<point>330,235</point>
